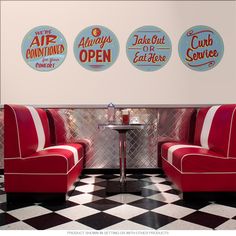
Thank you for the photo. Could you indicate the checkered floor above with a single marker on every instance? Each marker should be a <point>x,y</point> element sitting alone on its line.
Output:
<point>158,207</point>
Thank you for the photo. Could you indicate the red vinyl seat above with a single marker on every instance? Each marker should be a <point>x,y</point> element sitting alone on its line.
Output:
<point>59,129</point>
<point>209,164</point>
<point>31,163</point>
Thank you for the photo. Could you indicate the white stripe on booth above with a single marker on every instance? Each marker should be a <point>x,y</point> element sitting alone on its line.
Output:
<point>207,126</point>
<point>175,147</point>
<point>66,147</point>
<point>38,126</point>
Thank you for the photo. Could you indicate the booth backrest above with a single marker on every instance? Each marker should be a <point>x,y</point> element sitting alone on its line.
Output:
<point>215,129</point>
<point>57,127</point>
<point>26,130</point>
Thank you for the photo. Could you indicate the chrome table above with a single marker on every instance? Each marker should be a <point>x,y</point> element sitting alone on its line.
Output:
<point>122,129</point>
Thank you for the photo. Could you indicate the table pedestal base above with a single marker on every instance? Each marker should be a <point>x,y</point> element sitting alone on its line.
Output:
<point>116,187</point>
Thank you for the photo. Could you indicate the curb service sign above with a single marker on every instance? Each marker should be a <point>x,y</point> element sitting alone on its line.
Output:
<point>201,48</point>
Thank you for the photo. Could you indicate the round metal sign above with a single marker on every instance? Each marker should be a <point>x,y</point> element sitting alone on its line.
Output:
<point>148,48</point>
<point>201,48</point>
<point>44,48</point>
<point>96,48</point>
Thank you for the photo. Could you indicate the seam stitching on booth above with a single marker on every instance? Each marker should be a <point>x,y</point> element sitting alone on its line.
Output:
<point>12,173</point>
<point>18,135</point>
<point>198,173</point>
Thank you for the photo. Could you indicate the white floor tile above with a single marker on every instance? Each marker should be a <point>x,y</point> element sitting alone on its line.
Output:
<point>29,212</point>
<point>127,225</point>
<point>88,188</point>
<point>228,225</point>
<point>165,197</point>
<point>173,210</point>
<point>152,175</point>
<point>127,179</point>
<point>95,175</point>
<point>77,212</point>
<point>183,225</point>
<point>20,225</point>
<point>84,198</point>
<point>158,187</point>
<point>125,211</point>
<point>154,179</point>
<point>73,225</point>
<point>124,198</point>
<point>91,180</point>
<point>3,198</point>
<point>220,210</point>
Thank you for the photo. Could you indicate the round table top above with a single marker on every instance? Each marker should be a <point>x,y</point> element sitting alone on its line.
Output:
<point>122,127</point>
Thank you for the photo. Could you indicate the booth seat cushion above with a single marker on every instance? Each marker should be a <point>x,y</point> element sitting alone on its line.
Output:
<point>188,158</point>
<point>51,160</point>
<point>59,129</point>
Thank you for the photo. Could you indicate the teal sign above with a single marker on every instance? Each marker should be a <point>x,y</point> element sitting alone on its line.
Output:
<point>96,48</point>
<point>148,48</point>
<point>44,48</point>
<point>201,48</point>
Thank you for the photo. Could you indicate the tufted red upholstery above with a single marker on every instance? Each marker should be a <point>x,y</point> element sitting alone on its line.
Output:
<point>31,163</point>
<point>209,164</point>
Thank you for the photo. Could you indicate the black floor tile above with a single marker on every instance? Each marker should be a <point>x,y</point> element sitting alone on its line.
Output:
<point>77,184</point>
<point>5,218</point>
<point>205,219</point>
<point>230,203</point>
<point>2,192</point>
<point>147,192</point>
<point>100,193</point>
<point>84,176</point>
<point>128,187</point>
<point>152,219</point>
<point>146,203</point>
<point>100,220</point>
<point>103,204</point>
<point>138,176</point>
<point>75,193</point>
<point>47,221</point>
<point>173,191</point>
<point>166,182</point>
<point>13,206</point>
<point>108,176</point>
<point>58,206</point>
<point>191,204</point>
<point>101,184</point>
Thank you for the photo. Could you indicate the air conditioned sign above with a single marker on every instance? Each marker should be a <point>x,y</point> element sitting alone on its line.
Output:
<point>201,48</point>
<point>96,48</point>
<point>44,48</point>
<point>148,48</point>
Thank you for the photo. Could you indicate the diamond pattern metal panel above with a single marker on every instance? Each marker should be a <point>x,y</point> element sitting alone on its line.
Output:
<point>173,124</point>
<point>142,144</point>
